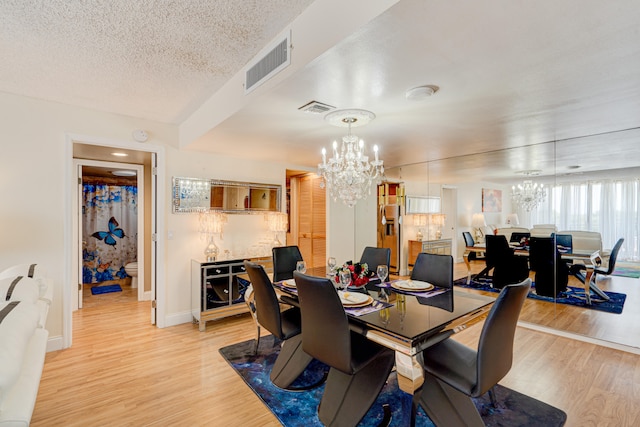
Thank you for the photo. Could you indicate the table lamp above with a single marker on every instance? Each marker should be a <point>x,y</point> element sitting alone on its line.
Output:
<point>478,222</point>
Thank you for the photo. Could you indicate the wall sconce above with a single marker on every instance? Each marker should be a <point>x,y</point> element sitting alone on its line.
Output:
<point>277,222</point>
<point>211,223</point>
<point>478,222</point>
<point>512,219</point>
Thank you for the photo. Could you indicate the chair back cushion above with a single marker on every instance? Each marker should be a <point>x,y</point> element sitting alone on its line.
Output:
<point>284,262</point>
<point>375,257</point>
<point>325,328</point>
<point>495,347</point>
<point>468,239</point>
<point>267,306</point>
<point>613,257</point>
<point>435,269</point>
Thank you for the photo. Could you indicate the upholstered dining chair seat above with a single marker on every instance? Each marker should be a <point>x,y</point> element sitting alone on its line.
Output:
<point>454,373</point>
<point>458,359</point>
<point>290,326</point>
<point>285,325</point>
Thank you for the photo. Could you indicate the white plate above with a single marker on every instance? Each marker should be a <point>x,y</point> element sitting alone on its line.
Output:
<point>354,299</point>
<point>289,283</point>
<point>412,285</point>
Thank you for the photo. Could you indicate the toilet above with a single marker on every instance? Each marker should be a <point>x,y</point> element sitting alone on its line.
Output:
<point>132,270</point>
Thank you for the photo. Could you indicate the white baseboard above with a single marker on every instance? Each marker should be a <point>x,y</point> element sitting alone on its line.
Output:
<point>178,318</point>
<point>579,337</point>
<point>54,343</point>
<point>146,296</point>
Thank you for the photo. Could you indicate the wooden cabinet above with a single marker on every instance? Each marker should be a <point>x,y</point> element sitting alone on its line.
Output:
<point>218,287</point>
<point>440,246</point>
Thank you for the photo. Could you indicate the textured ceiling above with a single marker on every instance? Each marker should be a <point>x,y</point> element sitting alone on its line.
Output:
<point>511,75</point>
<point>151,59</point>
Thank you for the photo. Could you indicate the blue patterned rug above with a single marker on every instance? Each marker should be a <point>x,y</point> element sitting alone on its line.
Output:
<point>97,290</point>
<point>299,408</point>
<point>573,296</point>
<point>627,269</point>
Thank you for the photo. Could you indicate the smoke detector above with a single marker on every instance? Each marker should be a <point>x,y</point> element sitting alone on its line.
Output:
<point>421,92</point>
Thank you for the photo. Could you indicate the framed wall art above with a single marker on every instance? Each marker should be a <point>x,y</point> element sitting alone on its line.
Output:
<point>491,200</point>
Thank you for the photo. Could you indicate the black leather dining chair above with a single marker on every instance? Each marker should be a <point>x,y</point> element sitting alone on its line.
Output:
<point>375,257</point>
<point>285,259</point>
<point>579,270</point>
<point>508,268</point>
<point>435,269</point>
<point>468,239</point>
<point>284,325</point>
<point>551,271</point>
<point>359,367</point>
<point>454,373</point>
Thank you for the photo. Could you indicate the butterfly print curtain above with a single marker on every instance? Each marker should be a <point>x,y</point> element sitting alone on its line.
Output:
<point>109,231</point>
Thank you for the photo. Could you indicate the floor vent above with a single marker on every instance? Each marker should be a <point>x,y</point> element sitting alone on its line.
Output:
<point>316,107</point>
<point>278,58</point>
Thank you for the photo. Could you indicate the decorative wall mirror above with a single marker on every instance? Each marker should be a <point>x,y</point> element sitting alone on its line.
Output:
<point>193,194</point>
<point>422,205</point>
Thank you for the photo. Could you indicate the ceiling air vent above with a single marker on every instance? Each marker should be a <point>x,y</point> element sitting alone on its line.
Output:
<point>265,67</point>
<point>316,107</point>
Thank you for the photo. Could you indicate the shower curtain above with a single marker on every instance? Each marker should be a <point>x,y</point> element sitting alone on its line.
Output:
<point>109,231</point>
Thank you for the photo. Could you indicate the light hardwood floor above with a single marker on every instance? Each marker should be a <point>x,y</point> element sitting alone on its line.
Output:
<point>123,371</point>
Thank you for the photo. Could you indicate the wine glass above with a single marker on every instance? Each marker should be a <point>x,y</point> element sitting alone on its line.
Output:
<point>382,272</point>
<point>345,278</point>
<point>331,262</point>
<point>301,267</point>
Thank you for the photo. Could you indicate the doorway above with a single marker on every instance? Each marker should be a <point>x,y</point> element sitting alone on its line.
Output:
<point>151,159</point>
<point>111,224</point>
<point>306,206</point>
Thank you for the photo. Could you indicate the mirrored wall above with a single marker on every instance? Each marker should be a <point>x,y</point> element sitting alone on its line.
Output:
<point>590,184</point>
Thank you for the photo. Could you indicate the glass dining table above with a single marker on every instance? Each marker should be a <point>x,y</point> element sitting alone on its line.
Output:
<point>409,322</point>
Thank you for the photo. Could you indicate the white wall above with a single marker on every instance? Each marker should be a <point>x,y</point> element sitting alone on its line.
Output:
<point>33,179</point>
<point>35,191</point>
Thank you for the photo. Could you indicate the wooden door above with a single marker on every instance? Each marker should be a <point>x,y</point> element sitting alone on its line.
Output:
<point>312,238</point>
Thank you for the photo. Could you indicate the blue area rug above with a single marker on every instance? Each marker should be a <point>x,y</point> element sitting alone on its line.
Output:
<point>299,408</point>
<point>97,290</point>
<point>627,269</point>
<point>573,296</point>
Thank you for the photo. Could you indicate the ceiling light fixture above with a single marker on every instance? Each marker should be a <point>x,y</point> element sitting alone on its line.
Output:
<point>124,173</point>
<point>119,154</point>
<point>349,174</point>
<point>529,194</point>
<point>421,92</point>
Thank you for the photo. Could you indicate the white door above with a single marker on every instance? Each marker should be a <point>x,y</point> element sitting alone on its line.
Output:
<point>80,240</point>
<point>154,234</point>
<point>450,209</point>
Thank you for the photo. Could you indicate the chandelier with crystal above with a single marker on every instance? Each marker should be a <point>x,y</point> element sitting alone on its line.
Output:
<point>529,194</point>
<point>349,175</point>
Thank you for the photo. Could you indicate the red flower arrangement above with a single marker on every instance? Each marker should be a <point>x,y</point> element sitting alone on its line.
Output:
<point>359,273</point>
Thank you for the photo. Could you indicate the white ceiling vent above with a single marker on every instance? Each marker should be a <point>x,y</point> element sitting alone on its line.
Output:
<point>263,68</point>
<point>316,107</point>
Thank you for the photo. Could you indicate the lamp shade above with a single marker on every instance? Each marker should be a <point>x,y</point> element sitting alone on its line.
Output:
<point>419,220</point>
<point>512,219</point>
<point>478,221</point>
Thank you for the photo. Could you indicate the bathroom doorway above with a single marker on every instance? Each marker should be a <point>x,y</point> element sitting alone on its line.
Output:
<point>111,228</point>
<point>151,159</point>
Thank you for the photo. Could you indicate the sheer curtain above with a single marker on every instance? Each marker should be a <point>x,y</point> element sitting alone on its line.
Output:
<point>109,231</point>
<point>610,207</point>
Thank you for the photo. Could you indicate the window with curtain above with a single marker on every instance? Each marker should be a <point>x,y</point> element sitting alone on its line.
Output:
<point>610,207</point>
